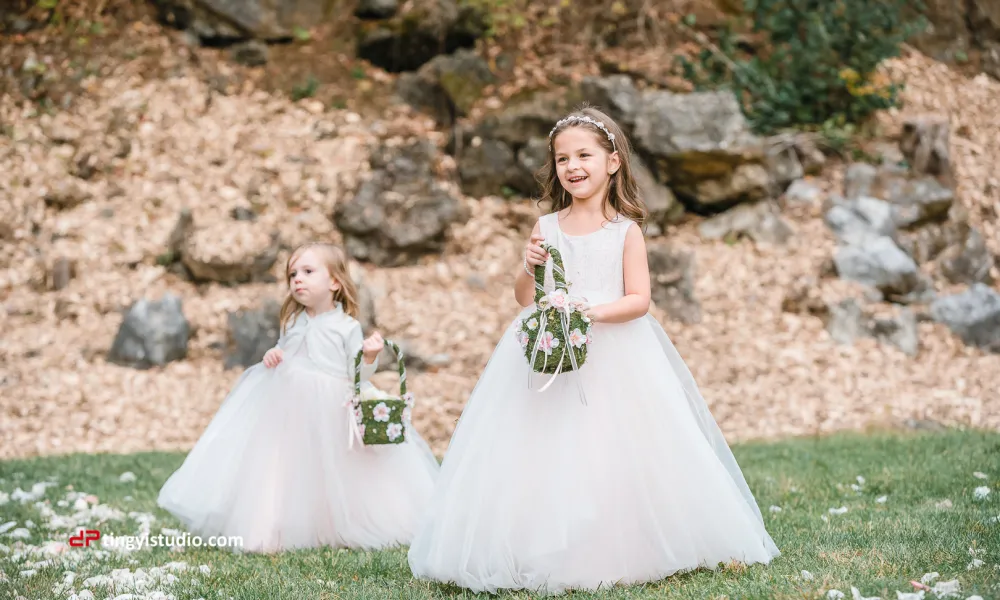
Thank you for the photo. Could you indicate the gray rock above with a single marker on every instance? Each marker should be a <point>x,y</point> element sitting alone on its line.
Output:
<point>402,212</point>
<point>530,159</point>
<point>672,279</point>
<point>917,201</point>
<point>878,262</point>
<point>970,261</point>
<point>486,167</point>
<point>784,166</point>
<point>845,321</point>
<point>447,86</point>
<point>224,20</point>
<point>760,221</point>
<point>973,315</point>
<point>62,272</point>
<point>236,269</point>
<point>376,9</point>
<point>251,334</point>
<point>153,333</point>
<point>859,180</point>
<point>899,331</point>
<point>616,95</point>
<point>855,220</point>
<point>251,54</point>
<point>663,206</point>
<point>802,192</point>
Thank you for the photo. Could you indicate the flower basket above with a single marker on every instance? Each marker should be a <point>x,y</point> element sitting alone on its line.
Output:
<point>378,418</point>
<point>555,337</point>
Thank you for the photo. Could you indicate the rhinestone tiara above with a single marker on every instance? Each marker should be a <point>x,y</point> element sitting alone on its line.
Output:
<point>584,119</point>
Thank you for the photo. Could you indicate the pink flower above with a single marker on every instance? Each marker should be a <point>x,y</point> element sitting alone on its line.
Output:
<point>522,338</point>
<point>590,338</point>
<point>576,338</point>
<point>408,398</point>
<point>547,342</point>
<point>381,412</point>
<point>559,299</point>
<point>393,431</point>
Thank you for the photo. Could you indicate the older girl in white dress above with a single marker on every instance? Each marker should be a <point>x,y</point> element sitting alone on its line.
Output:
<point>545,492</point>
<point>274,466</point>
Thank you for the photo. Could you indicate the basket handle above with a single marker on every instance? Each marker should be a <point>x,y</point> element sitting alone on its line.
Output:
<point>399,363</point>
<point>558,272</point>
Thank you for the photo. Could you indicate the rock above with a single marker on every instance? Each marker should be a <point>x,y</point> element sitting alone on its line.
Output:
<point>242,213</point>
<point>66,194</point>
<point>229,252</point>
<point>855,220</point>
<point>878,262</point>
<point>366,300</point>
<point>402,212</point>
<point>486,167</point>
<point>802,192</point>
<point>376,9</point>
<point>616,95</point>
<point>227,20</point>
<point>178,235</point>
<point>62,272</point>
<point>529,161</point>
<point>916,201</point>
<point>61,131</point>
<point>153,333</point>
<point>954,27</point>
<point>859,180</point>
<point>664,208</point>
<point>969,261</point>
<point>251,54</point>
<point>845,321</point>
<point>991,59</point>
<point>784,167</point>
<point>251,334</point>
<point>520,122</point>
<point>924,143</point>
<point>973,315</point>
<point>810,156</point>
<point>672,279</point>
<point>899,331</point>
<point>702,147</point>
<point>422,30</point>
<point>759,221</point>
<point>447,86</point>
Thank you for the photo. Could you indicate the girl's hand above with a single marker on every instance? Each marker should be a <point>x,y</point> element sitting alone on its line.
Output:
<point>372,346</point>
<point>534,253</point>
<point>596,313</point>
<point>272,358</point>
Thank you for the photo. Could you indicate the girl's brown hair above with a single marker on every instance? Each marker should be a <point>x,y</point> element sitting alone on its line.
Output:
<point>623,190</point>
<point>336,264</point>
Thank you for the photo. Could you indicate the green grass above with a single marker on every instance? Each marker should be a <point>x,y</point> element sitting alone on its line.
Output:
<point>876,547</point>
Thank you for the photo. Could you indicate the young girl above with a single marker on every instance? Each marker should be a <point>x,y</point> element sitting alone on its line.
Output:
<point>274,466</point>
<point>542,491</point>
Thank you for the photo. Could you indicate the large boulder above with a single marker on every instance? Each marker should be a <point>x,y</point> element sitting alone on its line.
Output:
<point>954,27</point>
<point>230,252</point>
<point>447,86</point>
<point>153,333</point>
<point>420,31</point>
<point>877,261</point>
<point>251,334</point>
<point>973,315</point>
<point>401,212</point>
<point>759,221</point>
<point>672,279</point>
<point>242,19</point>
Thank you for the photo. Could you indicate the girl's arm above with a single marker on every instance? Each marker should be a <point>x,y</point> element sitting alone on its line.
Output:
<point>355,341</point>
<point>635,303</point>
<point>524,284</point>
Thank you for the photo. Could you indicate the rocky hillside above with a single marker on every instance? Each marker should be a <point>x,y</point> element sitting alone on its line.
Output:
<point>154,187</point>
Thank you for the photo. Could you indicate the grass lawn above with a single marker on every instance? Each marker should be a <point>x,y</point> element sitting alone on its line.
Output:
<point>916,511</point>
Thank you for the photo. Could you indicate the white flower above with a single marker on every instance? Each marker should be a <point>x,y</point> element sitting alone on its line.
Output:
<point>881,499</point>
<point>408,398</point>
<point>929,578</point>
<point>974,598</point>
<point>979,475</point>
<point>547,342</point>
<point>911,596</point>
<point>127,477</point>
<point>532,324</point>
<point>975,564</point>
<point>806,575</point>
<point>947,589</point>
<point>981,492</point>
<point>358,415</point>
<point>834,595</point>
<point>576,338</point>
<point>857,595</point>
<point>21,533</point>
<point>838,511</point>
<point>393,431</point>
<point>861,480</point>
<point>205,569</point>
<point>775,509</point>
<point>381,412</point>
<point>856,487</point>
<point>523,339</point>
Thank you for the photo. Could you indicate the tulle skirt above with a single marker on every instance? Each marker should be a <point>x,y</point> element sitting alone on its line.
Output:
<point>540,491</point>
<point>273,466</point>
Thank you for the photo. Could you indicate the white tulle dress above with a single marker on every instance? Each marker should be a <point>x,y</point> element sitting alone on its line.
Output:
<point>274,466</point>
<point>540,491</point>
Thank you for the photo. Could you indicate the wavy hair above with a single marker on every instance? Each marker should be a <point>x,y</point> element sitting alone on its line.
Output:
<point>336,263</point>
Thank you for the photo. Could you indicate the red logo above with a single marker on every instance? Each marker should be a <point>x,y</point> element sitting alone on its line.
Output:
<point>84,537</point>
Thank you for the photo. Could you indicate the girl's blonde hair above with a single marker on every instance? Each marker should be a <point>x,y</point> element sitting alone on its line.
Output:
<point>623,190</point>
<point>336,264</point>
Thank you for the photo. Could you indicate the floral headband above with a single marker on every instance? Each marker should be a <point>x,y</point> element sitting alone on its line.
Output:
<point>583,119</point>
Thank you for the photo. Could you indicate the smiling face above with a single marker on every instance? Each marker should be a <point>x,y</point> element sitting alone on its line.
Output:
<point>583,165</point>
<point>310,282</point>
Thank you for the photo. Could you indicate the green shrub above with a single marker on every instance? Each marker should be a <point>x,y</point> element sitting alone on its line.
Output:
<point>815,64</point>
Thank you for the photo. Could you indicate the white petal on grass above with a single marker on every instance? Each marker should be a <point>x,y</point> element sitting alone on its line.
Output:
<point>947,589</point>
<point>838,511</point>
<point>910,595</point>
<point>981,492</point>
<point>881,499</point>
<point>4,498</point>
<point>21,533</point>
<point>857,595</point>
<point>834,595</point>
<point>775,509</point>
<point>974,598</point>
<point>975,564</point>
<point>127,477</point>
<point>861,480</point>
<point>980,475</point>
<point>806,575</point>
<point>857,488</point>
<point>929,578</point>
<point>825,518</point>
<point>205,570</point>
<point>7,526</point>
<point>946,503</point>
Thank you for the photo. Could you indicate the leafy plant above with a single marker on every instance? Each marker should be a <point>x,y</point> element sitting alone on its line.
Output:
<point>816,63</point>
<point>305,90</point>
